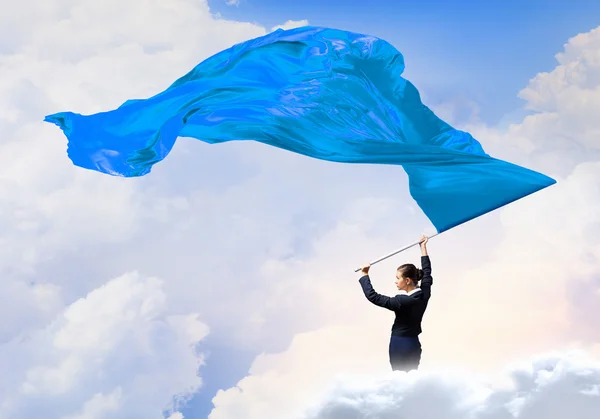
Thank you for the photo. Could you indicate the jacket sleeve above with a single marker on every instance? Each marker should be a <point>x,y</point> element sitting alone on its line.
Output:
<point>427,280</point>
<point>391,303</point>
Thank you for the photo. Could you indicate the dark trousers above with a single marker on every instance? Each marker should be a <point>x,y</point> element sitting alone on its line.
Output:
<point>405,353</point>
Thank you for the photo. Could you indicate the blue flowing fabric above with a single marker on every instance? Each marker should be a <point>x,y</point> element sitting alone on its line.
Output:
<point>324,93</point>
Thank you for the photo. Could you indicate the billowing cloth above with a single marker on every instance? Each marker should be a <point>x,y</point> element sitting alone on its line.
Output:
<point>324,93</point>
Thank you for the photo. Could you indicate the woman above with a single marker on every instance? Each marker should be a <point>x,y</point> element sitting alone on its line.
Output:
<point>409,306</point>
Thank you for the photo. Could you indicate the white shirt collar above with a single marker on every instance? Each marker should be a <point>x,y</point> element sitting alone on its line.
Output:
<point>409,293</point>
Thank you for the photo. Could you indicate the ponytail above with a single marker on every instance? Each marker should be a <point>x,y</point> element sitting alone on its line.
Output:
<point>419,274</point>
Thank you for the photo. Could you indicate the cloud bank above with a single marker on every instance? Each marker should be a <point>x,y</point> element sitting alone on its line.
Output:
<point>113,353</point>
<point>554,386</point>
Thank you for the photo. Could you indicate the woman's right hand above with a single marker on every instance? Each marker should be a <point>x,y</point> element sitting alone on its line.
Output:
<point>423,244</point>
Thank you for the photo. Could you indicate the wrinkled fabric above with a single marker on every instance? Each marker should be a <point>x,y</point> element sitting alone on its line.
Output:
<point>324,93</point>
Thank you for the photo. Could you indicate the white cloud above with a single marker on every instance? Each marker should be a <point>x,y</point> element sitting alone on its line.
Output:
<point>232,2</point>
<point>291,24</point>
<point>563,131</point>
<point>117,352</point>
<point>100,406</point>
<point>282,383</point>
<point>555,386</point>
<point>339,372</point>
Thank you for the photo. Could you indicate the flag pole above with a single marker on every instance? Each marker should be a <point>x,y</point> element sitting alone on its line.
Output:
<point>395,252</point>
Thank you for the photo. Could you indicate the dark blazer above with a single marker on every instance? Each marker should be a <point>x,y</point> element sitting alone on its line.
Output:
<point>408,307</point>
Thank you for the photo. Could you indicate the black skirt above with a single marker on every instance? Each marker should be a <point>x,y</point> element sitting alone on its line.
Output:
<point>405,353</point>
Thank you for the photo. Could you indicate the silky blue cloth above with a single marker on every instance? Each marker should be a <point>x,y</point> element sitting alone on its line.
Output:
<point>321,92</point>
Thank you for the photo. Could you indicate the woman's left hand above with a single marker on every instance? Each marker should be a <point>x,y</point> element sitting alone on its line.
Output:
<point>365,269</point>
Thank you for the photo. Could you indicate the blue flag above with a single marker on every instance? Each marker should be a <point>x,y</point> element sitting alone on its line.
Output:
<point>321,92</point>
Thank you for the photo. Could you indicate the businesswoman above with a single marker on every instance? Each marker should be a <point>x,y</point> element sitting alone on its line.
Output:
<point>409,305</point>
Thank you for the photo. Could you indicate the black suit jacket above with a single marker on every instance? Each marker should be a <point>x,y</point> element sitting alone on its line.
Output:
<point>408,307</point>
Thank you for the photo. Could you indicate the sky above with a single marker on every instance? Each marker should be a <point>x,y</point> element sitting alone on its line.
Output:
<point>465,41</point>
<point>222,284</point>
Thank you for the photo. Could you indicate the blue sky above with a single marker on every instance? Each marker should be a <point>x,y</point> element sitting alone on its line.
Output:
<point>477,51</point>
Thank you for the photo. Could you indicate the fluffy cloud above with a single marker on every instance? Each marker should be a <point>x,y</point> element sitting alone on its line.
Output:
<point>291,24</point>
<point>338,374</point>
<point>114,353</point>
<point>555,386</point>
<point>282,383</point>
<point>562,131</point>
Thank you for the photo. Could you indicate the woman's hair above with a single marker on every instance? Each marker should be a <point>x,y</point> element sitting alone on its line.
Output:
<point>409,270</point>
